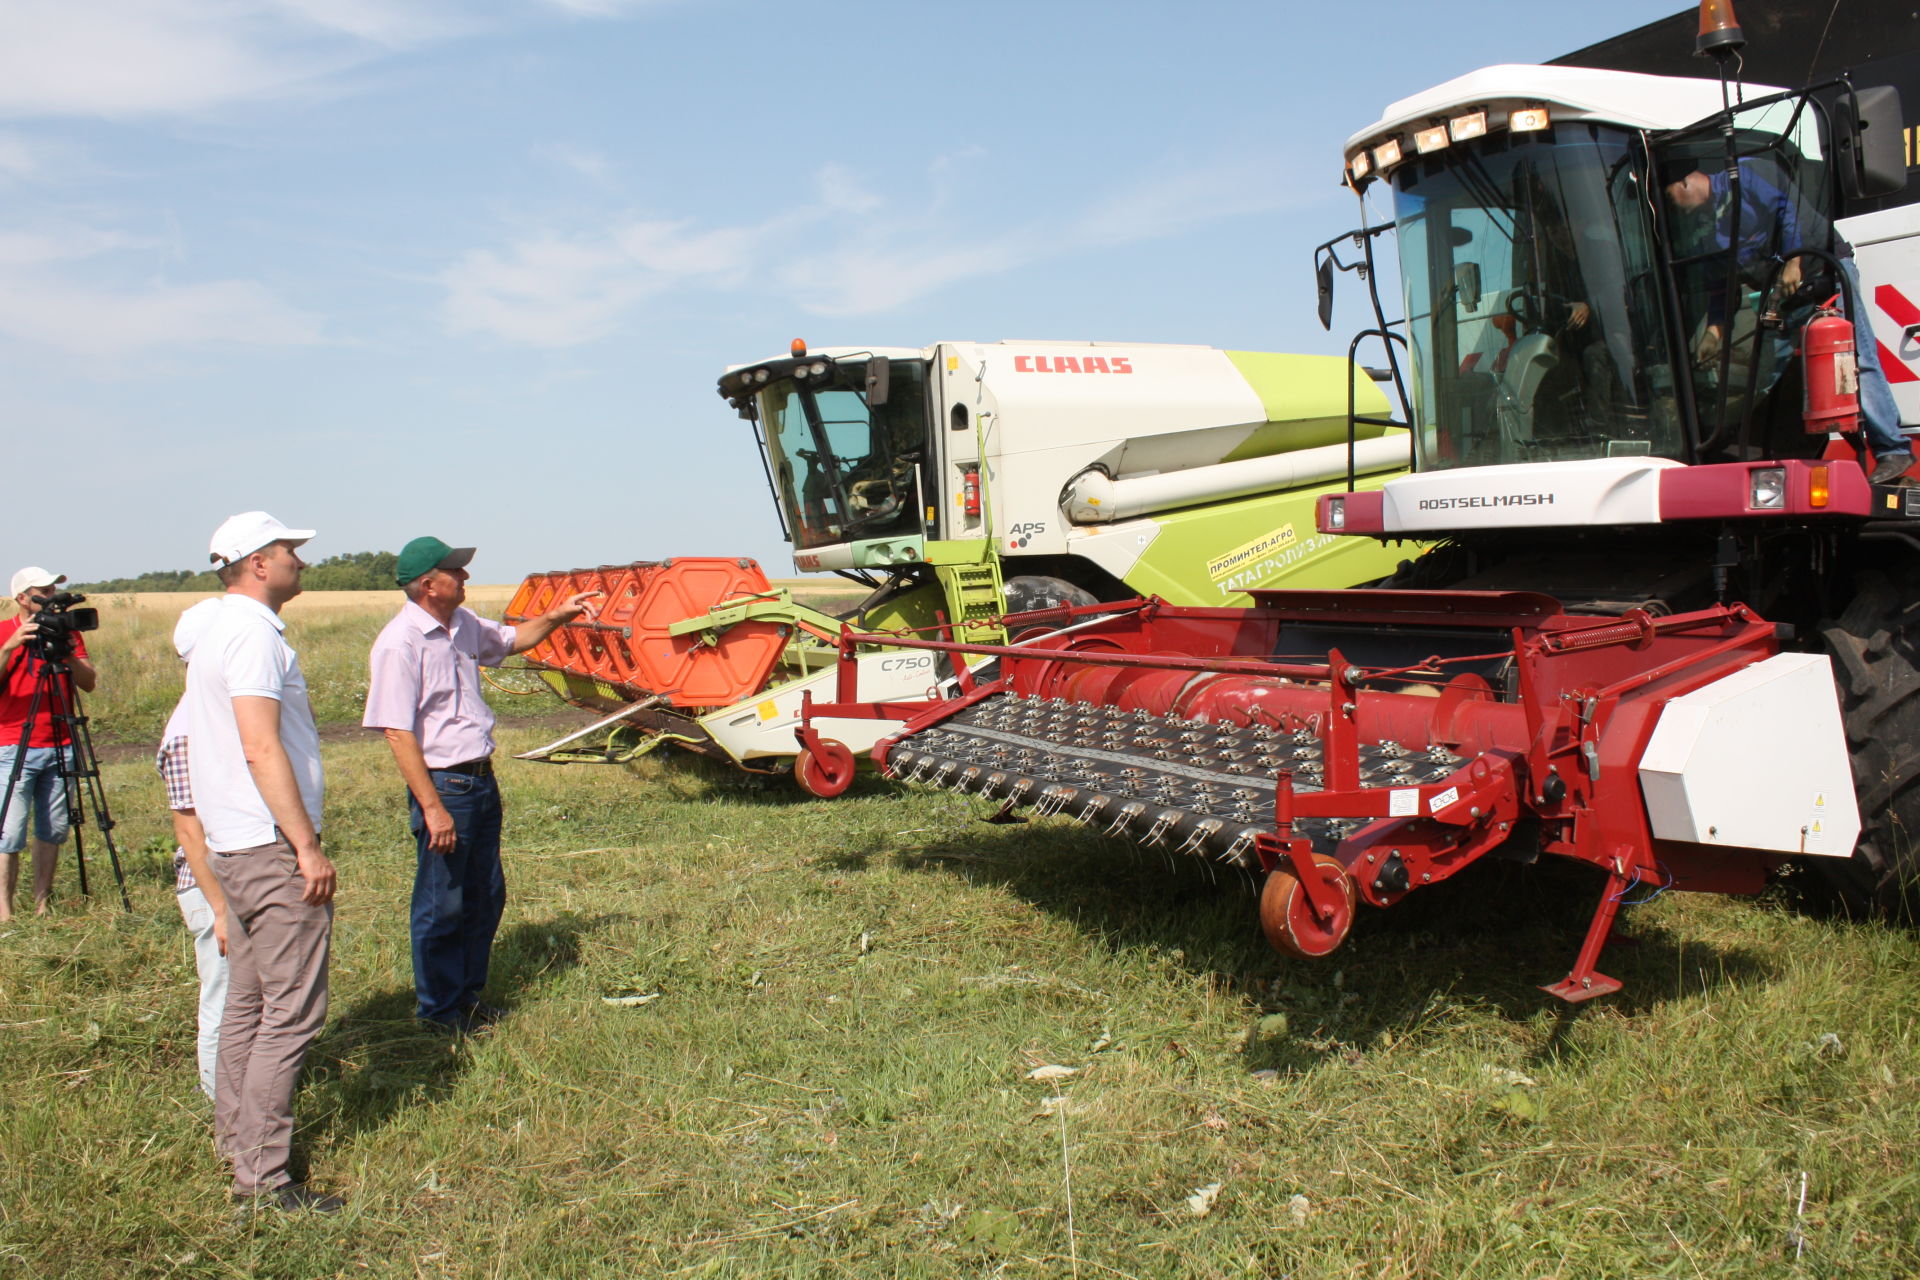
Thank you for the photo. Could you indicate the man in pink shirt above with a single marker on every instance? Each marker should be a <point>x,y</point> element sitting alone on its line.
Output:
<point>425,694</point>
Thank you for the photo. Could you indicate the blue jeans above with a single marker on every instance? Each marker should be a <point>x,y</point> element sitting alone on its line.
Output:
<point>457,897</point>
<point>40,792</point>
<point>1878,413</point>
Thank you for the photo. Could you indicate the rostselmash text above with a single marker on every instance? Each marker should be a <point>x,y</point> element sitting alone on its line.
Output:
<point>1487,500</point>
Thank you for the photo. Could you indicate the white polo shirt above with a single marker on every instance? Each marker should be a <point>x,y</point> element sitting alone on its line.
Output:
<point>242,654</point>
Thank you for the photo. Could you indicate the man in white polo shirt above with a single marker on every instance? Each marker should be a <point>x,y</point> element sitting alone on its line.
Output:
<point>255,770</point>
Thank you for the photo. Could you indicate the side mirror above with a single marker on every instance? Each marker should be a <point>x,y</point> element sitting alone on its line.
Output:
<point>1466,284</point>
<point>1323,284</point>
<point>1868,146</point>
<point>879,377</point>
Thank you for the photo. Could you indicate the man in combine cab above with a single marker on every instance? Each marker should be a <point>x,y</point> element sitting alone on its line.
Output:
<point>37,804</point>
<point>1771,222</point>
<point>425,695</point>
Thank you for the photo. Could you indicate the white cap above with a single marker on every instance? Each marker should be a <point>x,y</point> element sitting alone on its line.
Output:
<point>246,533</point>
<point>193,625</point>
<point>34,576</point>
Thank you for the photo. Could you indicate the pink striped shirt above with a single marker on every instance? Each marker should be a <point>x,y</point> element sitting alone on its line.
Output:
<point>426,680</point>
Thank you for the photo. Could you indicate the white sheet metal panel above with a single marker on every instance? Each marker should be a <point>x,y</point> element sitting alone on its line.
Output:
<point>1757,760</point>
<point>763,726</point>
<point>1886,247</point>
<point>1592,491</point>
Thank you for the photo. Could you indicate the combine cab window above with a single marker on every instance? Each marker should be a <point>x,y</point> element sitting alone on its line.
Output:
<point>1533,301</point>
<point>846,472</point>
<point>1734,261</point>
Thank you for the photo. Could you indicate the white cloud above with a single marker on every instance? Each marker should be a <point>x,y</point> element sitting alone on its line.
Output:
<point>840,189</point>
<point>864,277</point>
<point>603,8</point>
<point>584,161</point>
<point>550,291</point>
<point>847,252</point>
<point>20,157</point>
<point>1194,197</point>
<point>125,58</point>
<point>46,302</point>
<point>65,244</point>
<point>393,23</point>
<point>113,325</point>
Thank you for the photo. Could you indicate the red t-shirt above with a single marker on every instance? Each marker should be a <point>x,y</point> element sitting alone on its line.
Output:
<point>16,694</point>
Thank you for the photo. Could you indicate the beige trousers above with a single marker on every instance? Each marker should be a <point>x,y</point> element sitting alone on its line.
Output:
<point>277,949</point>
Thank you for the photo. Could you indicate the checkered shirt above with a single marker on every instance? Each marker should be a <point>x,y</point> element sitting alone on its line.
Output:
<point>172,764</point>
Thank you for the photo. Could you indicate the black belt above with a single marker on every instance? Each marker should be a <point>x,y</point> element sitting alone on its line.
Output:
<point>481,768</point>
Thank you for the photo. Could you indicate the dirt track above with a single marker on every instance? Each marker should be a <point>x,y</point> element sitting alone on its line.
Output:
<point>558,719</point>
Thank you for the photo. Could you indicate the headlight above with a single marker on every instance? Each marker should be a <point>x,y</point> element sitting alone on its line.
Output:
<point>1767,488</point>
<point>1336,513</point>
<point>1471,125</point>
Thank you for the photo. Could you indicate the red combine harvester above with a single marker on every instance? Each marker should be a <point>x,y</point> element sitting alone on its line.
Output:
<point>1671,625</point>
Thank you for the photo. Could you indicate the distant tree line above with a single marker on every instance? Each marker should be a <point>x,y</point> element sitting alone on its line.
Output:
<point>354,571</point>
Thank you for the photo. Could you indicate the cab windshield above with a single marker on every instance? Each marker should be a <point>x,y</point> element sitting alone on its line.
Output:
<point>1534,306</point>
<point>845,472</point>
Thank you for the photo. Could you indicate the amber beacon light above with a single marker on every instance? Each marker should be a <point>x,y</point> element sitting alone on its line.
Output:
<point>1720,35</point>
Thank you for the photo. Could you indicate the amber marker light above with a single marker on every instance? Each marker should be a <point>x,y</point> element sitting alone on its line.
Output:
<point>1819,491</point>
<point>799,347</point>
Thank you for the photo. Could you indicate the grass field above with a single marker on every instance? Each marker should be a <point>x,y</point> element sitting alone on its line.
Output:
<point>833,1078</point>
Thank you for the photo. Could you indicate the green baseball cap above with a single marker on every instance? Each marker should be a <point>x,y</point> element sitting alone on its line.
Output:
<point>423,554</point>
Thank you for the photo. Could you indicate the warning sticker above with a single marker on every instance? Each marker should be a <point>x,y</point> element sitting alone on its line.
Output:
<point>1258,549</point>
<point>1817,820</point>
<point>1403,802</point>
<point>1444,799</point>
<point>768,709</point>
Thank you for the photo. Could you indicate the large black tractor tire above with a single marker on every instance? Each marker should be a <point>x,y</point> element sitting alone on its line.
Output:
<point>1036,591</point>
<point>1875,646</point>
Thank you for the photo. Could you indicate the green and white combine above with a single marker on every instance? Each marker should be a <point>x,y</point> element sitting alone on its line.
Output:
<point>964,481</point>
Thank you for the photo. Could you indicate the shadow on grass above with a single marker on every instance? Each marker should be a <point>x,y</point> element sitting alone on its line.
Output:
<point>373,1060</point>
<point>1487,938</point>
<point>694,775</point>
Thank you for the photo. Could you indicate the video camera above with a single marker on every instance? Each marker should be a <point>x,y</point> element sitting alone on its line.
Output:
<point>57,623</point>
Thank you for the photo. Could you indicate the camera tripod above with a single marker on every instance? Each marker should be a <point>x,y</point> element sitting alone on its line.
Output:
<point>78,767</point>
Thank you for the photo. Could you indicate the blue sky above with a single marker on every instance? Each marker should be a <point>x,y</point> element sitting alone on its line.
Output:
<point>390,267</point>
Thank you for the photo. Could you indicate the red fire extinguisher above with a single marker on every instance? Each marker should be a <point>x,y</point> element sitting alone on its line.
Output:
<point>970,490</point>
<point>1832,374</point>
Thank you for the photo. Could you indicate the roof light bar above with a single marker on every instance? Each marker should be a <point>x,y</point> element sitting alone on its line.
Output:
<point>1384,153</point>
